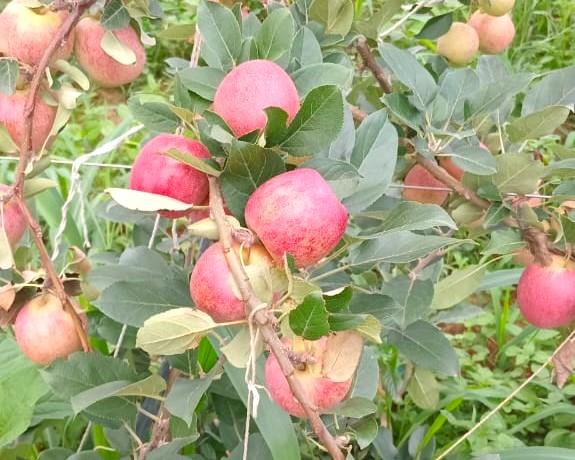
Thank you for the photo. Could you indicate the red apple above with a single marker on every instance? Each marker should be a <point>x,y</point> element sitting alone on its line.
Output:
<point>212,285</point>
<point>100,67</point>
<point>546,295</point>
<point>419,176</point>
<point>459,45</point>
<point>321,391</point>
<point>27,31</point>
<point>154,172</point>
<point>13,220</point>
<point>44,331</point>
<point>297,213</point>
<point>495,33</point>
<point>12,116</point>
<point>250,88</point>
<point>496,7</point>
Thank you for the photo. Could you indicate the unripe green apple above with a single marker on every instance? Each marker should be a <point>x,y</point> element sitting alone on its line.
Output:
<point>321,391</point>
<point>418,176</point>
<point>297,213</point>
<point>12,219</point>
<point>459,45</point>
<point>27,31</point>
<point>495,33</point>
<point>212,285</point>
<point>103,69</point>
<point>44,331</point>
<point>250,88</point>
<point>546,295</point>
<point>154,172</point>
<point>496,7</point>
<point>12,116</point>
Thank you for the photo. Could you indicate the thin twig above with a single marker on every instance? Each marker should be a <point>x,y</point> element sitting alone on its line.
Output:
<point>262,321</point>
<point>415,9</point>
<point>507,399</point>
<point>370,62</point>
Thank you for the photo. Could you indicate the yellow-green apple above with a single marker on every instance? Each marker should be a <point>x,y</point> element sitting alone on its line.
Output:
<point>418,176</point>
<point>321,391</point>
<point>297,213</point>
<point>27,31</point>
<point>12,116</point>
<point>103,69</point>
<point>546,294</point>
<point>155,172</point>
<point>495,33</point>
<point>45,331</point>
<point>250,88</point>
<point>12,219</point>
<point>496,7</point>
<point>459,45</point>
<point>212,285</point>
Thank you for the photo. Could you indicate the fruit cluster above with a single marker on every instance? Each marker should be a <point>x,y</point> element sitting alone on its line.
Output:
<point>489,30</point>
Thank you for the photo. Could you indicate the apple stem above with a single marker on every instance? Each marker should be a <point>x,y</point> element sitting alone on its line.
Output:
<point>17,191</point>
<point>264,323</point>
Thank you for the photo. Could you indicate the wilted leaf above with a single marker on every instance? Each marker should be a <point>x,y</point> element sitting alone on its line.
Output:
<point>117,50</point>
<point>146,202</point>
<point>341,356</point>
<point>237,351</point>
<point>564,362</point>
<point>7,296</point>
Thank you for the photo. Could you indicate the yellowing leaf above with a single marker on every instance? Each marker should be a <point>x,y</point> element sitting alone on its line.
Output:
<point>341,356</point>
<point>116,49</point>
<point>146,202</point>
<point>237,352</point>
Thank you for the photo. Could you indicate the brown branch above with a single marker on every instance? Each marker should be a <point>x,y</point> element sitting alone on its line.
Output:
<point>441,174</point>
<point>76,10</point>
<point>264,324</point>
<point>370,62</point>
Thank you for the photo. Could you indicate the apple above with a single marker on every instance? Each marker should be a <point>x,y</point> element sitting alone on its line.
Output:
<point>212,285</point>
<point>496,7</point>
<point>250,88</point>
<point>297,213</point>
<point>13,220</point>
<point>449,165</point>
<point>420,177</point>
<point>154,172</point>
<point>546,295</point>
<point>44,331</point>
<point>495,33</point>
<point>459,45</point>
<point>12,116</point>
<point>321,391</point>
<point>26,32</point>
<point>100,67</point>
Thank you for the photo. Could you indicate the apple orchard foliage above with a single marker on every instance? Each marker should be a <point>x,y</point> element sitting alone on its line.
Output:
<point>306,147</point>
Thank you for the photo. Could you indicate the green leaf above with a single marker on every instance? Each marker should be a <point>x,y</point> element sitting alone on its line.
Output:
<point>205,166</point>
<point>276,127</point>
<point>115,15</point>
<point>326,73</point>
<point>504,242</point>
<point>248,166</point>
<point>426,346</point>
<point>174,331</point>
<point>555,89</point>
<point>517,173</point>
<point>222,36</point>
<point>155,115</point>
<point>413,298</point>
<point>116,49</point>
<point>340,301</point>
<point>133,302</point>
<point>459,285</point>
<point>398,247</point>
<point>305,49</point>
<point>9,72</point>
<point>475,160</point>
<point>409,72</point>
<point>185,396</point>
<point>179,32</point>
<point>310,319</point>
<point>455,87</point>
<point>537,124</point>
<point>407,215</point>
<point>490,97</point>
<point>257,448</point>
<point>317,123</point>
<point>203,81</point>
<point>424,389</point>
<point>84,371</point>
<point>354,408</point>
<point>275,37</point>
<point>335,15</point>
<point>436,26</point>
<point>531,453</point>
